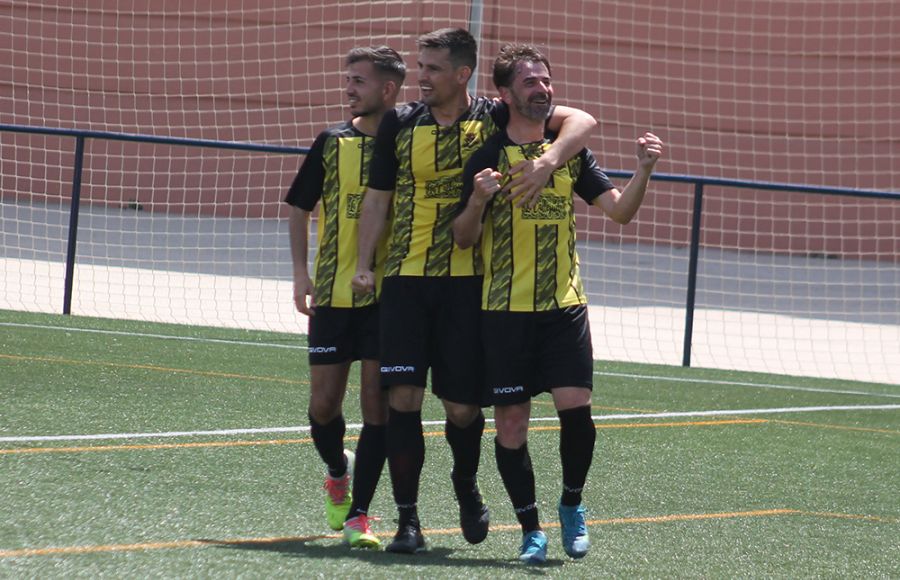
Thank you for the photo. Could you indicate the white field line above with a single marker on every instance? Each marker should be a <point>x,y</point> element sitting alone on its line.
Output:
<point>357,426</point>
<point>742,384</point>
<point>303,347</point>
<point>160,336</point>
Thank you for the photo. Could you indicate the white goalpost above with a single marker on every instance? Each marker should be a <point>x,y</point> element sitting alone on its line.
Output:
<point>799,92</point>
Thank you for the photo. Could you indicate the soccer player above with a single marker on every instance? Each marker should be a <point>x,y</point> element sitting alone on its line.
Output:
<point>343,327</point>
<point>431,291</point>
<point>535,328</point>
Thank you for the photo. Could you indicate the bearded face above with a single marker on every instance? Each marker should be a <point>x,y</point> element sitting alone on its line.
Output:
<point>531,92</point>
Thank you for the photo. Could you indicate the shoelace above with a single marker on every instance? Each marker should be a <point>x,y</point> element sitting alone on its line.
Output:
<point>359,523</point>
<point>575,525</point>
<point>532,544</point>
<point>337,488</point>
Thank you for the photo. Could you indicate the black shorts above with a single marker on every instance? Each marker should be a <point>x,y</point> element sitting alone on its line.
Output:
<point>339,335</point>
<point>433,323</point>
<point>529,353</point>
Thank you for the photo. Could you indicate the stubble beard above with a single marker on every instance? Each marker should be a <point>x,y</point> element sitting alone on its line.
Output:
<point>532,110</point>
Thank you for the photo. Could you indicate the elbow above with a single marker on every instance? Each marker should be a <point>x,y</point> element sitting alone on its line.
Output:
<point>588,121</point>
<point>623,218</point>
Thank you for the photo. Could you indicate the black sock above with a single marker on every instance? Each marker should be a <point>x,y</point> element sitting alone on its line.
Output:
<point>329,442</point>
<point>465,443</point>
<point>518,479</point>
<point>577,436</point>
<point>371,453</point>
<point>406,455</point>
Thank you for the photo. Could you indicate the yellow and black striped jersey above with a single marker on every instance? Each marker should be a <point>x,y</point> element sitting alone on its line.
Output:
<point>530,262</point>
<point>422,162</point>
<point>335,171</point>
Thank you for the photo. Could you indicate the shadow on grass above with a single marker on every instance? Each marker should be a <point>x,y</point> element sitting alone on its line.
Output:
<point>312,547</point>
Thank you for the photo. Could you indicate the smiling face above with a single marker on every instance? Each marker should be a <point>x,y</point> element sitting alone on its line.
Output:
<point>440,82</point>
<point>531,92</point>
<point>365,89</point>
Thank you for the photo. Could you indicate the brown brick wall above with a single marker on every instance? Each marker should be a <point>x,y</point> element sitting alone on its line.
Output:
<point>787,91</point>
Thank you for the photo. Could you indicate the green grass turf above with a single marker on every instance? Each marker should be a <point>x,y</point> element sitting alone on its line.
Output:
<point>811,494</point>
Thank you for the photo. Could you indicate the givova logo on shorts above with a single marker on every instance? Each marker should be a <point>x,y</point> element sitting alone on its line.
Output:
<point>509,390</point>
<point>399,369</point>
<point>322,349</point>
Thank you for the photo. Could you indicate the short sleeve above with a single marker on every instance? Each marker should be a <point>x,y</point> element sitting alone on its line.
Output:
<point>591,181</point>
<point>306,190</point>
<point>384,164</point>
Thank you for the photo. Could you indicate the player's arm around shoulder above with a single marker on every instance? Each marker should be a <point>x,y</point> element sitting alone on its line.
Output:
<point>622,206</point>
<point>573,124</point>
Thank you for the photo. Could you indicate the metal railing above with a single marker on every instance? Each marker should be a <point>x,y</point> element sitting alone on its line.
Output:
<point>699,183</point>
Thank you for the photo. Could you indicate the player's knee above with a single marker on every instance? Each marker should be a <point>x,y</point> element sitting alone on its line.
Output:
<point>324,408</point>
<point>571,397</point>
<point>511,423</point>
<point>461,415</point>
<point>406,399</point>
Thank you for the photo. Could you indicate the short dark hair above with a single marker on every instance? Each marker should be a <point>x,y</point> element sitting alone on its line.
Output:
<point>385,60</point>
<point>462,45</point>
<point>510,55</point>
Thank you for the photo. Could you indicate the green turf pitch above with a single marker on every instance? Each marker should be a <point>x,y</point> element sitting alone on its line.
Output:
<point>697,473</point>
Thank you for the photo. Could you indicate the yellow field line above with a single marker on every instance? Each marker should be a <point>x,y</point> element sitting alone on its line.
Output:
<point>540,403</point>
<point>837,427</point>
<point>152,546</point>
<point>712,423</point>
<point>878,519</point>
<point>692,517</point>
<point>180,544</point>
<point>639,520</point>
<point>156,446</point>
<point>152,368</point>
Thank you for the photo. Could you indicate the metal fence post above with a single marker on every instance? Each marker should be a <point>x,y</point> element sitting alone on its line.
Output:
<point>73,224</point>
<point>692,273</point>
